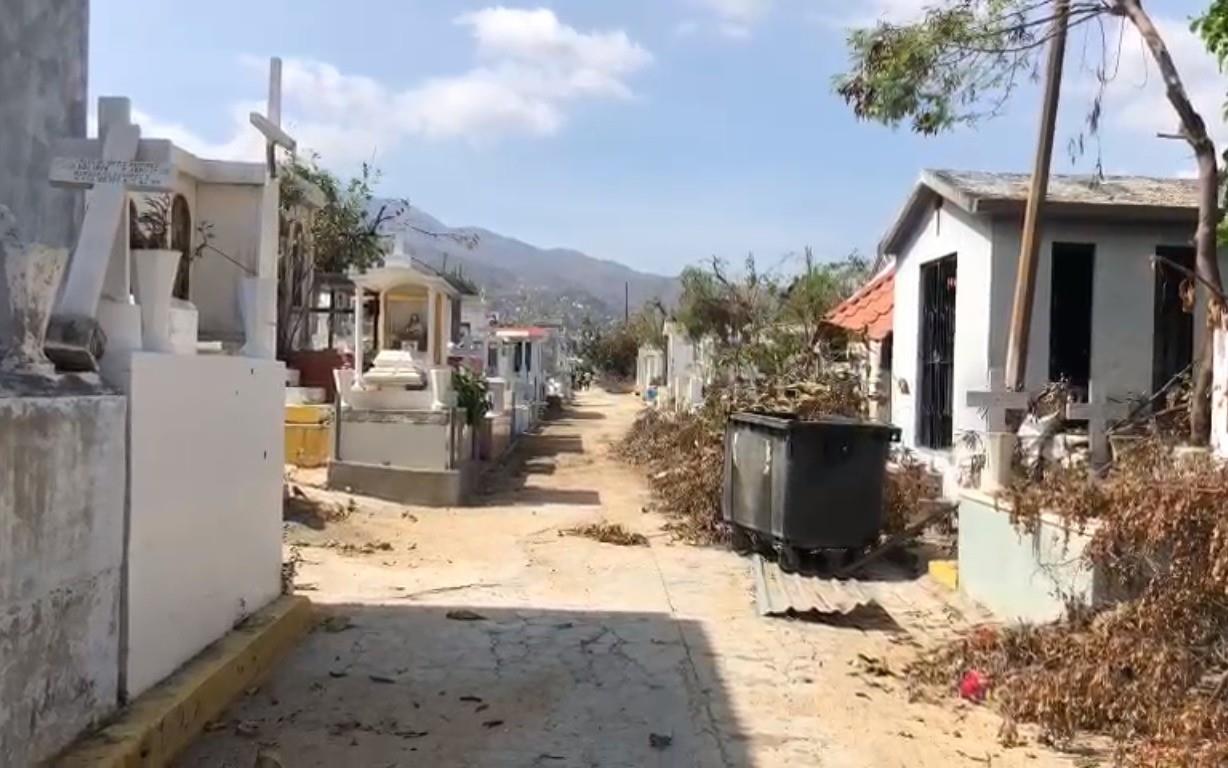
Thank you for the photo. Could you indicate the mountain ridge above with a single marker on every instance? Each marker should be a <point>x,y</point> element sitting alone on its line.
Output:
<point>524,282</point>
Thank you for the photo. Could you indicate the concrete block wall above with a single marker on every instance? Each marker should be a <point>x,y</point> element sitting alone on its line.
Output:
<point>62,486</point>
<point>43,57</point>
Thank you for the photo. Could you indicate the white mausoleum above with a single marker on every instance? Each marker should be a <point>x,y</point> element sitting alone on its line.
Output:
<point>1102,312</point>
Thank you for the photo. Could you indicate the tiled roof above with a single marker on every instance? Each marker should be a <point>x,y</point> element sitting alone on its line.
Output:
<point>869,310</point>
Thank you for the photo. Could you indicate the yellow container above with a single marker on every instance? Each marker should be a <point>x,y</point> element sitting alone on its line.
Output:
<point>945,572</point>
<point>309,435</point>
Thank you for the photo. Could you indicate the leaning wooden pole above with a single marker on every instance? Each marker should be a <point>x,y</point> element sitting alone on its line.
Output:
<point>1029,249</point>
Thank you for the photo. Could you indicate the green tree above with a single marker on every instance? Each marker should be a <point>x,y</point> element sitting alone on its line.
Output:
<point>613,350</point>
<point>961,61</point>
<point>346,232</point>
<point>765,325</point>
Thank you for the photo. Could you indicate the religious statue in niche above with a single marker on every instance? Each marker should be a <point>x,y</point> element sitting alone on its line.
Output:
<point>413,335</point>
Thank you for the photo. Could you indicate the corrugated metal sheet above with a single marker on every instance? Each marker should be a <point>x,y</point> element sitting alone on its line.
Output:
<point>778,593</point>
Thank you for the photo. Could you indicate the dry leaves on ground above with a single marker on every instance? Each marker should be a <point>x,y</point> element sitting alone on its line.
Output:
<point>609,533</point>
<point>1150,671</point>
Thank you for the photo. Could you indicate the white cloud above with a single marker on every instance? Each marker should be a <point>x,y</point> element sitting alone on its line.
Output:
<point>245,142</point>
<point>835,13</point>
<point>530,69</point>
<point>734,19</point>
<point>1135,101</point>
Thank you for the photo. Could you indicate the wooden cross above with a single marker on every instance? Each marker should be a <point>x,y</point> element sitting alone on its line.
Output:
<point>997,401</point>
<point>270,125</point>
<point>1097,412</point>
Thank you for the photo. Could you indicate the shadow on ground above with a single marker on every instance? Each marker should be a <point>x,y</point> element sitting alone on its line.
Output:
<point>537,455</point>
<point>572,414</point>
<point>414,685</point>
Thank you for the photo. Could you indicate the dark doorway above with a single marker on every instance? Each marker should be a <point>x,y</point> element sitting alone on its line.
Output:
<point>937,353</point>
<point>1173,348</point>
<point>1070,313</point>
<point>181,240</point>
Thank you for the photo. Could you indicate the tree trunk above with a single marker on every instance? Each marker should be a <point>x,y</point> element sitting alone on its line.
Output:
<point>1206,261</point>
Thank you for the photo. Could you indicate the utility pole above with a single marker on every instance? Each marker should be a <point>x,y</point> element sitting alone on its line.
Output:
<point>1029,250</point>
<point>626,302</point>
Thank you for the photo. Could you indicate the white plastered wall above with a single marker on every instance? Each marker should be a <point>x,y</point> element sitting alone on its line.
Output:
<point>205,466</point>
<point>1123,298</point>
<point>943,232</point>
<point>987,257</point>
<point>235,211</point>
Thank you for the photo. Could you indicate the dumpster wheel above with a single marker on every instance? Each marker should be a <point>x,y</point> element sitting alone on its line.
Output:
<point>790,559</point>
<point>740,540</point>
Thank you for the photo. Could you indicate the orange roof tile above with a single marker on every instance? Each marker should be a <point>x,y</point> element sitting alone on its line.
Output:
<point>869,309</point>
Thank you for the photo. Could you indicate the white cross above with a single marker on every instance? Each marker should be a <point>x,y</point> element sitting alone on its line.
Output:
<point>1097,412</point>
<point>104,232</point>
<point>270,125</point>
<point>997,401</point>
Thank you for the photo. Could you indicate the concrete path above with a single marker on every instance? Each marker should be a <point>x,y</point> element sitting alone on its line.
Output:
<point>485,637</point>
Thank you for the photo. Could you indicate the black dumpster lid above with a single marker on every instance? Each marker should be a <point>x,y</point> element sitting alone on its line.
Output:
<point>791,421</point>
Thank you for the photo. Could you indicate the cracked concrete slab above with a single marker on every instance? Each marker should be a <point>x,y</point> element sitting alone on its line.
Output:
<point>586,654</point>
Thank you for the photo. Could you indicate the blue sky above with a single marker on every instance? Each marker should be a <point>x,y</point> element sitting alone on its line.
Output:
<point>652,132</point>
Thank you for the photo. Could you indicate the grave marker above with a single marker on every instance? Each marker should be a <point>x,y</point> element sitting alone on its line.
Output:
<point>75,340</point>
<point>1097,412</point>
<point>999,440</point>
<point>997,401</point>
<point>135,175</point>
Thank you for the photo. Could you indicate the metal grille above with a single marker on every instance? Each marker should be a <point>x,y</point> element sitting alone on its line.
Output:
<point>1174,327</point>
<point>937,353</point>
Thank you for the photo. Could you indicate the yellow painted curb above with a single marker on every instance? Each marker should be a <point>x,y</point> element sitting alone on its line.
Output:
<point>164,720</point>
<point>945,572</point>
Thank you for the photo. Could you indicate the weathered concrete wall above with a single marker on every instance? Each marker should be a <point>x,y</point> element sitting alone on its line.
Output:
<point>43,65</point>
<point>62,486</point>
<point>1022,576</point>
<point>207,450</point>
<point>1219,395</point>
<point>410,440</point>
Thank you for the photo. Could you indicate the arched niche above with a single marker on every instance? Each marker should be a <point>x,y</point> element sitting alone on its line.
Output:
<point>181,241</point>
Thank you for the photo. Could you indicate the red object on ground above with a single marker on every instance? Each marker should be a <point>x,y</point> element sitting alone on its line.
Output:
<point>974,686</point>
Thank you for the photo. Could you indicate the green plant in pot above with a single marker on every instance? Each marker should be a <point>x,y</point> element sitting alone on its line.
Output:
<point>472,395</point>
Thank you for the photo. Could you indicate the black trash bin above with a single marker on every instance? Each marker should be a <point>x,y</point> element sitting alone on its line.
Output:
<point>806,485</point>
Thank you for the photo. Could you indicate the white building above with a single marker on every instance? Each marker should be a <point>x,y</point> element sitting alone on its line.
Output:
<point>649,369</point>
<point>526,359</point>
<point>687,367</point>
<point>399,434</point>
<point>1101,313</point>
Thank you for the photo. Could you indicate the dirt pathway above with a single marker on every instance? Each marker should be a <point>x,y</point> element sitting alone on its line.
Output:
<point>483,637</point>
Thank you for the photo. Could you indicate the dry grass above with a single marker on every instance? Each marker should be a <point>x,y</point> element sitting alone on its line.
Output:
<point>609,533</point>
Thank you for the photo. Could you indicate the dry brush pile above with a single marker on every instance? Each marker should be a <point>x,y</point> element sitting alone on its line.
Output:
<point>684,454</point>
<point>1150,671</point>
